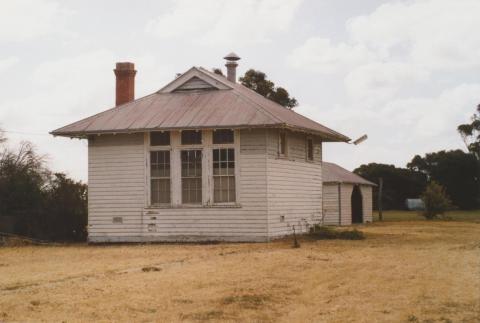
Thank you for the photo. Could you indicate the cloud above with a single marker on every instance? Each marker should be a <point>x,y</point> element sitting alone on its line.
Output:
<point>400,128</point>
<point>224,21</point>
<point>406,67</point>
<point>63,91</point>
<point>320,55</point>
<point>437,35</point>
<point>7,63</point>
<point>378,82</point>
<point>22,20</point>
<point>433,118</point>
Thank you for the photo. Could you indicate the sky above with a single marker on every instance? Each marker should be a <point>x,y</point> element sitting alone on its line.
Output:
<point>405,73</point>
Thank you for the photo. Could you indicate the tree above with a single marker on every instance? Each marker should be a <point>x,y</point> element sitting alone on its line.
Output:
<point>65,205</point>
<point>217,70</point>
<point>436,201</point>
<point>44,205</point>
<point>2,137</point>
<point>257,81</point>
<point>399,183</point>
<point>22,176</point>
<point>470,133</point>
<point>455,170</point>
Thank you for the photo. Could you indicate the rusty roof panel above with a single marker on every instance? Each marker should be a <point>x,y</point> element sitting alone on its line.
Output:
<point>332,173</point>
<point>234,106</point>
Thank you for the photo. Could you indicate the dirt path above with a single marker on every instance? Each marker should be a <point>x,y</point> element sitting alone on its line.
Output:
<point>405,271</point>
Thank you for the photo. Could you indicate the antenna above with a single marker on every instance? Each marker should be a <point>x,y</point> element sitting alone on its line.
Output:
<point>360,139</point>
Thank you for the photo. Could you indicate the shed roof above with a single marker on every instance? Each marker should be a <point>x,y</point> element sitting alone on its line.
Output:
<point>223,105</point>
<point>332,173</point>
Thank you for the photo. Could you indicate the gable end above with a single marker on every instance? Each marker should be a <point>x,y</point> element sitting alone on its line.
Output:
<point>195,83</point>
<point>195,79</point>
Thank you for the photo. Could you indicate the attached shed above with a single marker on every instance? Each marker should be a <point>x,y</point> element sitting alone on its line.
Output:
<point>347,197</point>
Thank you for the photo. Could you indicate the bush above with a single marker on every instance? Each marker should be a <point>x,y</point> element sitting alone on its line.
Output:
<point>436,201</point>
<point>319,232</point>
<point>44,205</point>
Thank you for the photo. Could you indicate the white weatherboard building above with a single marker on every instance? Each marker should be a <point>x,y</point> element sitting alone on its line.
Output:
<point>204,158</point>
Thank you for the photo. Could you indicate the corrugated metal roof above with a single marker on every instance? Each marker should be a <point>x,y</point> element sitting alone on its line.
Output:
<point>232,106</point>
<point>332,173</point>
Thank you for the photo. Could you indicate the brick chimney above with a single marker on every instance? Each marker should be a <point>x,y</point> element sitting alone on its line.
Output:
<point>231,65</point>
<point>125,84</point>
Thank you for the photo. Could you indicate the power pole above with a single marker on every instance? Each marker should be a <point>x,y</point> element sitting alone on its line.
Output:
<point>380,190</point>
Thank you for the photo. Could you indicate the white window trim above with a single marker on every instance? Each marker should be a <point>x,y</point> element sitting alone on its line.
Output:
<point>202,151</point>
<point>148,183</point>
<point>206,147</point>
<point>236,146</point>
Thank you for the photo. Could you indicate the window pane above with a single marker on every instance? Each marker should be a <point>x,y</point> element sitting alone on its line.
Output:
<point>160,163</point>
<point>160,138</point>
<point>309,149</point>
<point>224,175</point>
<point>223,136</point>
<point>192,190</point>
<point>191,176</point>
<point>160,176</point>
<point>160,191</point>
<point>191,137</point>
<point>282,143</point>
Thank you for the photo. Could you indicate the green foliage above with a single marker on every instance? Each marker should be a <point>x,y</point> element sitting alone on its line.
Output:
<point>436,201</point>
<point>319,232</point>
<point>470,133</point>
<point>398,184</point>
<point>217,71</point>
<point>257,81</point>
<point>45,205</point>
<point>65,207</point>
<point>455,170</point>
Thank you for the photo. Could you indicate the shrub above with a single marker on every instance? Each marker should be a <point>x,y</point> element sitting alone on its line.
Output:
<point>319,232</point>
<point>436,201</point>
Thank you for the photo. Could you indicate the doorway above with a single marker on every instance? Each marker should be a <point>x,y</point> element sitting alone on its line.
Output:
<point>357,205</point>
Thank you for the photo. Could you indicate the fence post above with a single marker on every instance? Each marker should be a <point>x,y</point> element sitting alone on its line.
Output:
<point>380,191</point>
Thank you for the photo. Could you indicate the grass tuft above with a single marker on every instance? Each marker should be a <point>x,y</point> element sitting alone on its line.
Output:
<point>247,301</point>
<point>150,268</point>
<point>319,232</point>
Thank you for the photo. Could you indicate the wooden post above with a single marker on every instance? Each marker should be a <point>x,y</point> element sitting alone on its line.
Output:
<point>380,190</point>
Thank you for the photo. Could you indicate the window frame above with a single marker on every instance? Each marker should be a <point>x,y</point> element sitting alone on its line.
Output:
<point>224,175</point>
<point>194,144</point>
<point>160,177</point>
<point>148,149</point>
<point>163,132</point>
<point>279,148</point>
<point>202,152</point>
<point>223,143</point>
<point>235,145</point>
<point>206,147</point>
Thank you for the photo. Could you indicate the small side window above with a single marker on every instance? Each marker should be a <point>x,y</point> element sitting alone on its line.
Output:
<point>282,143</point>
<point>309,149</point>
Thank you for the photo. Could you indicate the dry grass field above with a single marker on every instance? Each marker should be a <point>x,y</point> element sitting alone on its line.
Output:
<point>409,271</point>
